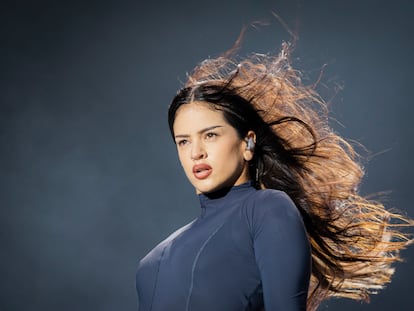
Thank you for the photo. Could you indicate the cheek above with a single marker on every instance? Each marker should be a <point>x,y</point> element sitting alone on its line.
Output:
<point>237,152</point>
<point>180,157</point>
<point>183,160</point>
<point>230,158</point>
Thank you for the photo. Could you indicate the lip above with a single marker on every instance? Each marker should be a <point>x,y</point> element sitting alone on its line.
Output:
<point>202,171</point>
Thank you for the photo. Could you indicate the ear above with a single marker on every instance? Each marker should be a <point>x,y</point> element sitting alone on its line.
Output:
<point>250,142</point>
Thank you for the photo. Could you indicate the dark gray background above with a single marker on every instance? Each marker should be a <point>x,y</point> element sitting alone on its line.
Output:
<point>89,179</point>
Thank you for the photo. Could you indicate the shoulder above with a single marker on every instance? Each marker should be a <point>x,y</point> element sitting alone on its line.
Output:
<point>271,200</point>
<point>271,206</point>
<point>270,194</point>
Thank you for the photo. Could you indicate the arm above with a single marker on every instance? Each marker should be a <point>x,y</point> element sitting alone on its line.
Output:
<point>282,252</point>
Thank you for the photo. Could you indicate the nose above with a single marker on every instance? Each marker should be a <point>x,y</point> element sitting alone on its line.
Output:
<point>198,151</point>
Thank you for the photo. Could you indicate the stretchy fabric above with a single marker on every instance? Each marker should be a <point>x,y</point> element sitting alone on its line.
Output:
<point>247,250</point>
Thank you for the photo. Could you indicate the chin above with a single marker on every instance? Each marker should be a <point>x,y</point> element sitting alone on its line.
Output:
<point>210,185</point>
<point>209,188</point>
<point>205,188</point>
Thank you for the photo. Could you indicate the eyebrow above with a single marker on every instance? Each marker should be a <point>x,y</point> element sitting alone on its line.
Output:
<point>200,131</point>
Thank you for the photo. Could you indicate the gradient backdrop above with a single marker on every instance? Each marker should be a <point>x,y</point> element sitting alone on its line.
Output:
<point>89,178</point>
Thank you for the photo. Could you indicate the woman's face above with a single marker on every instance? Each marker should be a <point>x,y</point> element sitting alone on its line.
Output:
<point>212,154</point>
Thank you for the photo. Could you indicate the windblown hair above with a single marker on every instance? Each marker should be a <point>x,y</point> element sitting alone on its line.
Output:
<point>354,240</point>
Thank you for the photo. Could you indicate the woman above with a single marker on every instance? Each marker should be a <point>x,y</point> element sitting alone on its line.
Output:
<point>282,226</point>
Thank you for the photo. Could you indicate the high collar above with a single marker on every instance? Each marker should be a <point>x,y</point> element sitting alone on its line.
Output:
<point>217,199</point>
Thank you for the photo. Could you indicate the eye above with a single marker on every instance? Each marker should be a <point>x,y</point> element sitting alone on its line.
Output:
<point>182,142</point>
<point>211,135</point>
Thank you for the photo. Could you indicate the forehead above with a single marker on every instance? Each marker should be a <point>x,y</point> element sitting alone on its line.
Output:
<point>197,115</point>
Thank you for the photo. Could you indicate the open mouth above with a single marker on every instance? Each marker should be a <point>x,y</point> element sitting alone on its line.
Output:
<point>202,171</point>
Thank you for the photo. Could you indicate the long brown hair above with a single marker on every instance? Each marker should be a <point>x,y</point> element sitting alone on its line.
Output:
<point>354,240</point>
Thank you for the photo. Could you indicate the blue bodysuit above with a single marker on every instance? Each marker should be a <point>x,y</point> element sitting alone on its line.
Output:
<point>248,250</point>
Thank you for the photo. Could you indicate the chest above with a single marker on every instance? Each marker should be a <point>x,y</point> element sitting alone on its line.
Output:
<point>215,255</point>
<point>222,244</point>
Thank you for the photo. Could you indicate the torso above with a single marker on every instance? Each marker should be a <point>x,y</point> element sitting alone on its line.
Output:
<point>209,264</point>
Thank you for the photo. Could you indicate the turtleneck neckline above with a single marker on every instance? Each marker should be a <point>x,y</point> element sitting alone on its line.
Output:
<point>208,200</point>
